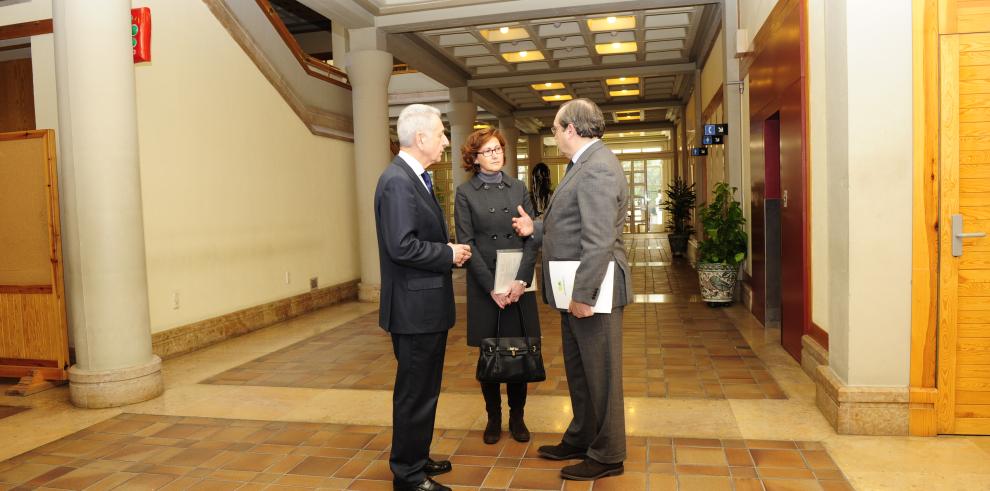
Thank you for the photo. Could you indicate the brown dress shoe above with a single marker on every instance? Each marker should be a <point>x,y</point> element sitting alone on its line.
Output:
<point>561,451</point>
<point>590,469</point>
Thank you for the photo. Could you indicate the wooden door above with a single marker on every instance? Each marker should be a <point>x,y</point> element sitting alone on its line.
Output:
<point>963,377</point>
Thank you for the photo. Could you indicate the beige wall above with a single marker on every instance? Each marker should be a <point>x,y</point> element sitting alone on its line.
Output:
<point>869,190</point>
<point>713,73</point>
<point>752,15</point>
<point>236,190</point>
<point>24,11</point>
<point>818,156</point>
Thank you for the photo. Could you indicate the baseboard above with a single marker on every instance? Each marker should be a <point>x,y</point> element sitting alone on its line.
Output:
<point>191,337</point>
<point>813,355</point>
<point>861,410</point>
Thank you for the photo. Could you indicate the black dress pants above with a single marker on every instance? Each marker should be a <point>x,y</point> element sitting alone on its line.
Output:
<point>414,402</point>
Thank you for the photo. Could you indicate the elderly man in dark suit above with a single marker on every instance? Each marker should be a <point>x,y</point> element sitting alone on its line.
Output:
<point>417,297</point>
<point>583,222</point>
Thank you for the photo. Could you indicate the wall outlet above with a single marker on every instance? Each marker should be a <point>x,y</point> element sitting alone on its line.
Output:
<point>314,283</point>
<point>175,299</point>
<point>288,278</point>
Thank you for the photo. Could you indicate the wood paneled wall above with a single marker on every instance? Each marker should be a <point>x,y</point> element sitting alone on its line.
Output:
<point>16,96</point>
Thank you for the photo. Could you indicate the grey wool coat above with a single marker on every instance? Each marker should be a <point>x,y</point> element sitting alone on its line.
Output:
<point>483,215</point>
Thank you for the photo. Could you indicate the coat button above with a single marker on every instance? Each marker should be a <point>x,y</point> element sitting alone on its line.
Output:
<point>494,236</point>
<point>485,186</point>
<point>491,210</point>
<point>500,186</point>
<point>508,236</point>
<point>505,210</point>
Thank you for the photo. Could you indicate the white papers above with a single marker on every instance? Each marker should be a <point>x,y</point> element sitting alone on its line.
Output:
<point>562,282</point>
<point>507,263</point>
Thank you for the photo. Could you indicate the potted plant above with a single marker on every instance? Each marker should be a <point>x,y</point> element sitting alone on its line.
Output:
<point>678,205</point>
<point>723,248</point>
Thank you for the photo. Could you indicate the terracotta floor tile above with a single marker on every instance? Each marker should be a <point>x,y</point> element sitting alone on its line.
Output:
<point>703,483</point>
<point>318,466</point>
<point>700,456</point>
<point>777,458</point>
<point>791,485</point>
<point>536,479</point>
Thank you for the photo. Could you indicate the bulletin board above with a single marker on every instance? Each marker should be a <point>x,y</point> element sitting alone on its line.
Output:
<point>33,330</point>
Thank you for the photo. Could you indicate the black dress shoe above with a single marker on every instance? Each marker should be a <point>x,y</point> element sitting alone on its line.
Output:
<point>590,469</point>
<point>561,451</point>
<point>427,485</point>
<point>436,467</point>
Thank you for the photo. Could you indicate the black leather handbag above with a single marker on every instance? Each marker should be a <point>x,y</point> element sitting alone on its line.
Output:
<point>510,360</point>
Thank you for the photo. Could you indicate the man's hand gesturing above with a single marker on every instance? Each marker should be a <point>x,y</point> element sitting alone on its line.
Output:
<point>523,224</point>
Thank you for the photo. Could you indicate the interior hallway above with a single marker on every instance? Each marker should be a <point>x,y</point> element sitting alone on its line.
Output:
<point>712,401</point>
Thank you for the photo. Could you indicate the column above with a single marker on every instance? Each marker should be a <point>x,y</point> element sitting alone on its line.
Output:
<point>369,71</point>
<point>106,279</point>
<point>507,125</point>
<point>461,112</point>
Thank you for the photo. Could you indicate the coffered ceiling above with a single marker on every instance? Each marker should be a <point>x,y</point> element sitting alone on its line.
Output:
<point>636,59</point>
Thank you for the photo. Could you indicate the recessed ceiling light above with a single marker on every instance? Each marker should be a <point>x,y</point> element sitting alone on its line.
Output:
<point>622,81</point>
<point>547,86</point>
<point>521,56</point>
<point>623,92</point>
<point>612,23</point>
<point>615,48</point>
<point>503,30</point>
<point>557,98</point>
<point>504,34</point>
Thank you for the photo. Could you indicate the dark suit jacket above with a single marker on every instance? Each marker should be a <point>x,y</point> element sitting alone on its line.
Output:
<point>417,294</point>
<point>583,222</point>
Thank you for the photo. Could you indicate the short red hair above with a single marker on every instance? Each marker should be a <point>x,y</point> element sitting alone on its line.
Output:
<point>474,143</point>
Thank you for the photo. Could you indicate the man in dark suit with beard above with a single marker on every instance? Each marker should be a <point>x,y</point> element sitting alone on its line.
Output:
<point>417,297</point>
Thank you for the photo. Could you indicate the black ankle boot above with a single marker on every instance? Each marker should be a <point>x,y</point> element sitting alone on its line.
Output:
<point>494,429</point>
<point>517,427</point>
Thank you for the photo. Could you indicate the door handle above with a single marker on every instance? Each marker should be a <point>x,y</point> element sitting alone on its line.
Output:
<point>958,235</point>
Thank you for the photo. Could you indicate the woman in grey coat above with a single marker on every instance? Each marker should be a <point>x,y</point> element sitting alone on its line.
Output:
<point>483,211</point>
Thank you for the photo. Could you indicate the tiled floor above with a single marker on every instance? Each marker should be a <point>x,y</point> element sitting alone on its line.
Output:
<point>10,410</point>
<point>133,451</point>
<point>671,349</point>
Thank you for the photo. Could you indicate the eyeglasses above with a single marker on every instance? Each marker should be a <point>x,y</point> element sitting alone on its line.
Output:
<point>491,152</point>
<point>557,129</point>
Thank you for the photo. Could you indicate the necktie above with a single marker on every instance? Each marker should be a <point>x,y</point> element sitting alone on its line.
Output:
<point>428,181</point>
<point>569,165</point>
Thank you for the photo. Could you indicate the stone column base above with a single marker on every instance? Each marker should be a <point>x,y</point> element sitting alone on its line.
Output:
<point>861,410</point>
<point>116,387</point>
<point>369,292</point>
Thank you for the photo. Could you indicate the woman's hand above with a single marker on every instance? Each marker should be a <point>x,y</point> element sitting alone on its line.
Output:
<point>501,299</point>
<point>515,292</point>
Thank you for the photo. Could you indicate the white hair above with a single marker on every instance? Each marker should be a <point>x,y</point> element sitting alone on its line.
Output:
<point>415,118</point>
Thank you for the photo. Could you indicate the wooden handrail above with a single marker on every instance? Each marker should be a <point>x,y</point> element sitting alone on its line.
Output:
<point>314,67</point>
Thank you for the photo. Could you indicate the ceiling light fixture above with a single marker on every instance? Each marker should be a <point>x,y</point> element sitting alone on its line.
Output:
<point>622,81</point>
<point>503,30</point>
<point>616,48</point>
<point>623,92</point>
<point>522,56</point>
<point>612,23</point>
<point>548,86</point>
<point>557,98</point>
